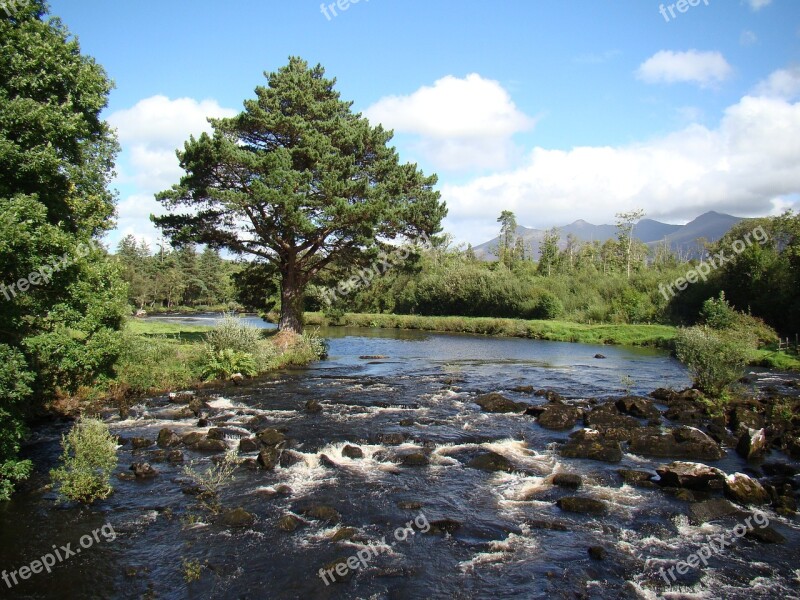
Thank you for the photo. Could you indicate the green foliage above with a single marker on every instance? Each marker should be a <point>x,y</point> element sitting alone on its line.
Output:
<point>15,382</point>
<point>221,364</point>
<point>232,333</point>
<point>548,307</point>
<point>717,313</point>
<point>88,460</point>
<point>315,182</point>
<point>213,478</point>
<point>156,363</point>
<point>714,360</point>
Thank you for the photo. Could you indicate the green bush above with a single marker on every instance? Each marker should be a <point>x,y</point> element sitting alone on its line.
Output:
<point>231,333</point>
<point>548,307</point>
<point>89,458</point>
<point>714,360</point>
<point>15,390</point>
<point>221,364</point>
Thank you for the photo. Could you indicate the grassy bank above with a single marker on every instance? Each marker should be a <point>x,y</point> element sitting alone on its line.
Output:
<point>559,331</point>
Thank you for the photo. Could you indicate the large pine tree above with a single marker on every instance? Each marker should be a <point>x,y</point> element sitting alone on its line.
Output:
<point>298,181</point>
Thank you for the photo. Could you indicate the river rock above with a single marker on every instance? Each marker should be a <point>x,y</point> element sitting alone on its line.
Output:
<point>288,523</point>
<point>271,437</point>
<point>322,512</point>
<point>175,456</point>
<point>247,445</point>
<point>491,461</point>
<point>143,470</point>
<point>607,416</point>
<point>711,510</point>
<point>344,533</point>
<point>290,458</point>
<point>695,476</point>
<point>744,490</point>
<point>138,443</point>
<point>268,458</point>
<point>558,416</point>
<point>600,356</point>
<point>207,445</point>
<point>588,443</point>
<point>765,535</point>
<point>313,407</point>
<point>237,517</point>
<point>168,438</point>
<point>444,526</point>
<point>752,444</point>
<point>580,504</point>
<point>352,452</point>
<point>568,480</point>
<point>638,407</point>
<point>597,552</point>
<point>682,442</point>
<point>183,397</point>
<point>237,378</point>
<point>636,478</point>
<point>415,459</point>
<point>190,439</point>
<point>742,418</point>
<point>497,403</point>
<point>338,571</point>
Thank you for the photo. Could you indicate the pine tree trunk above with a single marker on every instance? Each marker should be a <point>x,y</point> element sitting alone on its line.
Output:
<point>291,303</point>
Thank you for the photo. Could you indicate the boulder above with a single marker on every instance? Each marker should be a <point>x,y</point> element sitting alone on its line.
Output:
<point>695,476</point>
<point>175,456</point>
<point>207,445</point>
<point>597,552</point>
<point>636,478</point>
<point>313,407</point>
<point>711,510</point>
<point>190,439</point>
<point>607,416</point>
<point>338,571</point>
<point>588,443</point>
<point>138,443</point>
<point>268,458</point>
<point>765,535</point>
<point>237,517</point>
<point>497,403</point>
<point>580,504</point>
<point>392,439</point>
<point>568,480</point>
<point>444,526</point>
<point>638,407</point>
<point>322,512</point>
<point>344,533</point>
<point>289,458</point>
<point>600,356</point>
<point>491,461</point>
<point>143,470</point>
<point>744,490</point>
<point>752,444</point>
<point>237,378</point>
<point>247,445</point>
<point>352,452</point>
<point>271,437</point>
<point>742,418</point>
<point>288,523</point>
<point>687,412</point>
<point>415,459</point>
<point>168,438</point>
<point>183,397</point>
<point>558,416</point>
<point>682,442</point>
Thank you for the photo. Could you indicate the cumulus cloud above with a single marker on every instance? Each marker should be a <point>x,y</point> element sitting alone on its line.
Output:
<point>758,4</point>
<point>702,68</point>
<point>457,123</point>
<point>149,133</point>
<point>745,166</point>
<point>784,83</point>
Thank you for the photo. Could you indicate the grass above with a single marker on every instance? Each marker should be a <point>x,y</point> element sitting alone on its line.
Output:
<point>559,331</point>
<point>772,359</point>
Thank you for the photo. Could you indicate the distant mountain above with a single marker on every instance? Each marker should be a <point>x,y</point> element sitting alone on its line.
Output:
<point>682,239</point>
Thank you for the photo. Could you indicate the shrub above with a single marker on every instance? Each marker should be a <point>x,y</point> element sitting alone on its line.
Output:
<point>89,458</point>
<point>231,333</point>
<point>548,307</point>
<point>211,481</point>
<point>714,360</point>
<point>15,382</point>
<point>717,313</point>
<point>221,364</point>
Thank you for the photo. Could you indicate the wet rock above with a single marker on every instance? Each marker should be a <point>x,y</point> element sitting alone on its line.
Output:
<point>392,439</point>
<point>138,443</point>
<point>168,438</point>
<point>580,504</point>
<point>597,552</point>
<point>197,406</point>
<point>237,378</point>
<point>352,452</point>
<point>181,397</point>
<point>322,512</point>
<point>558,416</point>
<point>268,458</point>
<point>373,357</point>
<point>288,523</point>
<point>588,443</point>
<point>124,476</point>
<point>406,422</point>
<point>143,470</point>
<point>779,469</point>
<point>313,407</point>
<point>326,461</point>
<point>711,510</point>
<point>415,459</point>
<point>409,505</point>
<point>173,414</point>
<point>444,526</point>
<point>636,478</point>
<point>695,476</point>
<point>271,437</point>
<point>638,407</point>
<point>682,442</point>
<point>600,356</point>
<point>523,389</point>
<point>190,439</point>
<point>491,461</point>
<point>497,403</point>
<point>568,480</point>
<point>206,445</point>
<point>765,535</point>
<point>547,525</point>
<point>215,433</point>
<point>744,490</point>
<point>175,456</point>
<point>344,533</point>
<point>237,517</point>
<point>157,455</point>
<point>607,416</point>
<point>752,444</point>
<point>290,458</point>
<point>792,446</point>
<point>202,422</point>
<point>338,571</point>
<point>742,418</point>
<point>247,445</point>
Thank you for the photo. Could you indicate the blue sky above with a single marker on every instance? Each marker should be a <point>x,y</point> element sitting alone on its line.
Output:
<point>555,110</point>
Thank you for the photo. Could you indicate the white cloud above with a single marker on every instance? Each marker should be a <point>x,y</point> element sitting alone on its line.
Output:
<point>458,123</point>
<point>748,38</point>
<point>746,166</point>
<point>149,134</point>
<point>758,4</point>
<point>784,83</point>
<point>702,68</point>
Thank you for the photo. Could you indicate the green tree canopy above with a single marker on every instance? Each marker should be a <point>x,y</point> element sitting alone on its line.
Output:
<point>297,181</point>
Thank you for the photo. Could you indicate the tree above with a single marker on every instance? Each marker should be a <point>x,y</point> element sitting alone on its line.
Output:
<point>298,181</point>
<point>61,299</point>
<point>508,234</point>
<point>625,223</point>
<point>548,251</point>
